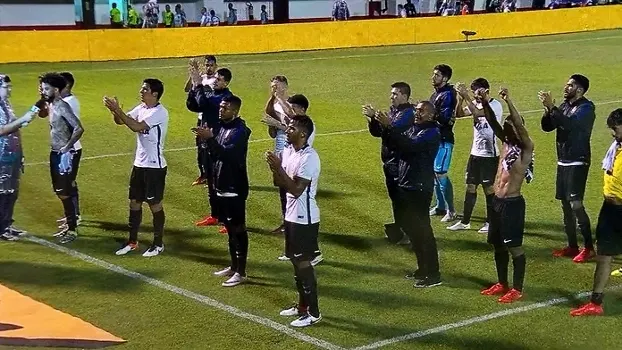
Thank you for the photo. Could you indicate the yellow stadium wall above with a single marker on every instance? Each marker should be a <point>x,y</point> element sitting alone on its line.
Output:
<point>126,44</point>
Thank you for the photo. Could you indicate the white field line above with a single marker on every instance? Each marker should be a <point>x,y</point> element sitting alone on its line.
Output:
<point>345,132</point>
<point>475,320</point>
<point>363,55</point>
<point>189,294</point>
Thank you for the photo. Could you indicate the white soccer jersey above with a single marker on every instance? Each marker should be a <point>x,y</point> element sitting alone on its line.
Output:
<point>206,80</point>
<point>305,163</point>
<point>484,141</point>
<point>73,102</point>
<point>150,145</point>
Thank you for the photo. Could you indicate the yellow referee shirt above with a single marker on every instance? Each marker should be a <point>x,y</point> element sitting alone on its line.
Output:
<point>612,187</point>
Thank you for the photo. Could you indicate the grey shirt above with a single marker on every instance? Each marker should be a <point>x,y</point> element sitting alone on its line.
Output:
<point>63,124</point>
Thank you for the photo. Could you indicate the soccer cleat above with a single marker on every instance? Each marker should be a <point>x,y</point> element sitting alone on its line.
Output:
<point>318,259</point>
<point>280,229</point>
<point>511,296</point>
<point>584,255</point>
<point>223,230</point>
<point>126,248</point>
<point>153,251</point>
<point>295,310</point>
<point>404,241</point>
<point>63,220</point>
<point>306,320</point>
<point>589,309</point>
<point>16,232</point>
<point>207,221</point>
<point>437,212</point>
<point>234,280</point>
<point>68,237</point>
<point>484,228</point>
<point>566,252</point>
<point>199,181</point>
<point>283,258</point>
<point>459,226</point>
<point>7,236</point>
<point>416,276</point>
<point>497,289</point>
<point>450,216</point>
<point>226,272</point>
<point>428,282</point>
<point>617,273</point>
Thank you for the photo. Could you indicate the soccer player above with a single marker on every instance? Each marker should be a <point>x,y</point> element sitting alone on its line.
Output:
<point>507,219</point>
<point>299,173</point>
<point>484,158</point>
<point>445,101</point>
<point>11,157</point>
<point>65,131</point>
<point>417,148</point>
<point>277,121</point>
<point>149,121</point>
<point>205,98</point>
<point>609,227</point>
<point>229,147</point>
<point>402,116</point>
<point>73,102</point>
<point>573,120</point>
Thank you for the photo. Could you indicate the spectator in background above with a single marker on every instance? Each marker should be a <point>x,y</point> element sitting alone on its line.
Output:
<point>116,21</point>
<point>151,11</point>
<point>508,6</point>
<point>167,16</point>
<point>232,18</point>
<point>205,19</point>
<point>213,19</point>
<point>340,11</point>
<point>132,17</point>
<point>410,9</point>
<point>465,9</point>
<point>180,17</point>
<point>401,12</point>
<point>264,15</point>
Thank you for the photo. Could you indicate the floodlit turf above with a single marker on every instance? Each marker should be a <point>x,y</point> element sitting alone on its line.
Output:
<point>363,294</point>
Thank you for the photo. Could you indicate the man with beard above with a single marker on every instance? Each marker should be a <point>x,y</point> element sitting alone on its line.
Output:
<point>573,120</point>
<point>11,156</point>
<point>65,131</point>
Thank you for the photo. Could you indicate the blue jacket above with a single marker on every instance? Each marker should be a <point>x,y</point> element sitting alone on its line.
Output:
<point>206,101</point>
<point>445,101</point>
<point>417,149</point>
<point>228,149</point>
<point>574,124</point>
<point>402,117</point>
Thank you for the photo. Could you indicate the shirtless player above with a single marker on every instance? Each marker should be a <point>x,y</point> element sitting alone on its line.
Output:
<point>507,224</point>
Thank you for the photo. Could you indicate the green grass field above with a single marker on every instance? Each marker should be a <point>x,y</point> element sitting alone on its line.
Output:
<point>364,297</point>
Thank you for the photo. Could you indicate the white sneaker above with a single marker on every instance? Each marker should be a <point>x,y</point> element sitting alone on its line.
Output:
<point>153,251</point>
<point>433,211</point>
<point>283,258</point>
<point>449,217</point>
<point>128,247</point>
<point>305,321</point>
<point>16,232</point>
<point>68,236</point>
<point>292,311</point>
<point>404,241</point>
<point>227,272</point>
<point>7,236</point>
<point>234,280</point>
<point>484,228</point>
<point>318,259</point>
<point>62,221</point>
<point>459,226</point>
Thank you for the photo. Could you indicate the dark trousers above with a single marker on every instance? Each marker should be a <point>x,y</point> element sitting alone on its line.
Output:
<point>206,166</point>
<point>7,204</point>
<point>414,218</point>
<point>392,190</point>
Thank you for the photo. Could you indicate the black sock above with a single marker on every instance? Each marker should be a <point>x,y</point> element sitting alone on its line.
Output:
<point>489,207</point>
<point>158,227</point>
<point>519,263</point>
<point>597,298</point>
<point>469,203</point>
<point>585,227</point>
<point>70,213</point>
<point>76,202</point>
<point>242,251</point>
<point>232,251</point>
<point>136,216</point>
<point>301,292</point>
<point>502,260</point>
<point>570,225</point>
<point>309,285</point>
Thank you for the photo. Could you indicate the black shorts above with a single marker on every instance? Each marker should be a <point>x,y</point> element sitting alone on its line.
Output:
<point>571,181</point>
<point>481,170</point>
<point>147,184</point>
<point>507,224</point>
<point>301,241</point>
<point>609,230</point>
<point>231,211</point>
<point>63,184</point>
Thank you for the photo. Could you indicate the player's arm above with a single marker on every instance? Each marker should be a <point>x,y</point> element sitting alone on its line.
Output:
<point>419,142</point>
<point>582,118</point>
<point>491,118</point>
<point>519,125</point>
<point>121,118</point>
<point>233,149</point>
<point>65,110</point>
<point>447,108</point>
<point>299,183</point>
<point>199,98</point>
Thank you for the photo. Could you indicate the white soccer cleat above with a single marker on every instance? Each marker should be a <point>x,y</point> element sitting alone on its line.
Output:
<point>484,228</point>
<point>292,311</point>
<point>283,258</point>
<point>127,248</point>
<point>227,272</point>
<point>318,259</point>
<point>153,251</point>
<point>234,280</point>
<point>306,321</point>
<point>449,217</point>
<point>459,226</point>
